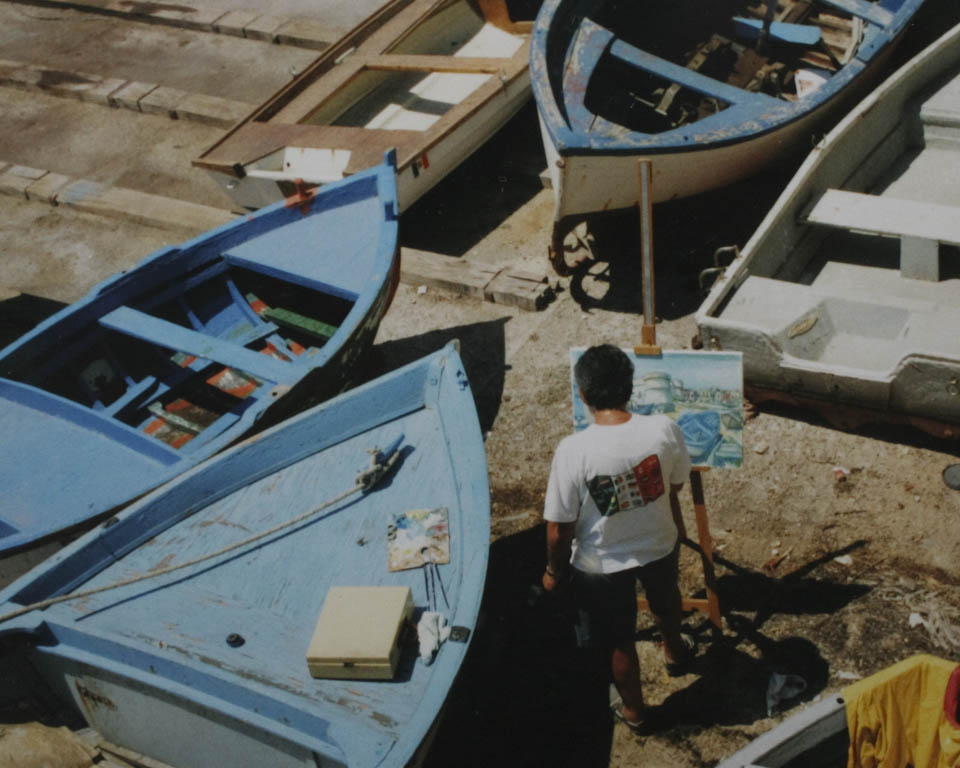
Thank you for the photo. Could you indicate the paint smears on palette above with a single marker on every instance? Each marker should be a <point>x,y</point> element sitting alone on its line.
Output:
<point>417,537</point>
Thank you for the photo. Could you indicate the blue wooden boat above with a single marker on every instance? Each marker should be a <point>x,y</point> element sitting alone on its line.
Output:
<point>205,665</point>
<point>162,366</point>
<point>709,92</point>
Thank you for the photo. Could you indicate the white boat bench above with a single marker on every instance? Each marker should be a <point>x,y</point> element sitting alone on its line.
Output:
<point>921,227</point>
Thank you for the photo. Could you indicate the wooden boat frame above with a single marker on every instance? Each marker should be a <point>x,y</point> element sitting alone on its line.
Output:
<point>424,157</point>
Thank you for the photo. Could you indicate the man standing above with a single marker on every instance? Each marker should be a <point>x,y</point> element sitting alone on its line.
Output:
<point>613,518</point>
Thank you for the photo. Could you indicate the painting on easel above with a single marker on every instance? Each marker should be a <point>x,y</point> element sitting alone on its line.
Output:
<point>701,391</point>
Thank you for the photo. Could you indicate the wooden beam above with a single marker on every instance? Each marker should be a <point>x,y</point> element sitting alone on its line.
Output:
<point>423,63</point>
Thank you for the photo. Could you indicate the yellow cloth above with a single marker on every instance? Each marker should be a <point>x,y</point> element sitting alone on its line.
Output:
<point>896,719</point>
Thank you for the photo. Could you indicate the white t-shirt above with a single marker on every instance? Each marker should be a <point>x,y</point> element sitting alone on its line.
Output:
<point>614,482</point>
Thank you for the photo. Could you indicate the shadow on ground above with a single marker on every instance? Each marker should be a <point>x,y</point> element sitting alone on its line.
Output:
<point>734,687</point>
<point>527,696</point>
<point>21,313</point>
<point>482,349</point>
<point>686,236</point>
<point>485,190</point>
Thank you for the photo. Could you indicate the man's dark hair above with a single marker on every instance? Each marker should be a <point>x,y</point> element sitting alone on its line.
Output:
<point>605,377</point>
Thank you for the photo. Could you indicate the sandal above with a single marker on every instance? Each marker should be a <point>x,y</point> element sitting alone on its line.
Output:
<point>637,726</point>
<point>682,666</point>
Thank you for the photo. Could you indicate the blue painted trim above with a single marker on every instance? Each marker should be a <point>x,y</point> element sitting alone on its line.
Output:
<point>133,392</point>
<point>795,34</point>
<point>589,45</point>
<point>865,10</point>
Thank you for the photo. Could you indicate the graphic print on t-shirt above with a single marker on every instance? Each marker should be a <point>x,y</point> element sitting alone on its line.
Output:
<point>628,490</point>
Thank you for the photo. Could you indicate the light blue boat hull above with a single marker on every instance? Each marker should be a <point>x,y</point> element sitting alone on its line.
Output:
<point>160,367</point>
<point>149,665</point>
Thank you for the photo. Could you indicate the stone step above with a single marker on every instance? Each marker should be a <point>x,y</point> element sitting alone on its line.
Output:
<point>125,94</point>
<point>497,284</point>
<point>303,33</point>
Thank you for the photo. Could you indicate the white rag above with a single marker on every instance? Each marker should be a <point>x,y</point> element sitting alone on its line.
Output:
<point>432,629</point>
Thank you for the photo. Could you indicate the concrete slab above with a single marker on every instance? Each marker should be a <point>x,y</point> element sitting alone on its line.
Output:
<point>233,22</point>
<point>265,28</point>
<point>129,95</point>
<point>6,67</point>
<point>335,14</point>
<point>59,253</point>
<point>212,110</point>
<point>110,146</point>
<point>81,85</point>
<point>142,208</point>
<point>47,187</point>
<point>307,33</point>
<point>178,16</point>
<point>26,172</point>
<point>163,100</point>
<point>24,77</point>
<point>115,47</point>
<point>14,183</point>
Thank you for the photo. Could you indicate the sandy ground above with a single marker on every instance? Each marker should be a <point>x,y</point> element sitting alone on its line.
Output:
<point>816,576</point>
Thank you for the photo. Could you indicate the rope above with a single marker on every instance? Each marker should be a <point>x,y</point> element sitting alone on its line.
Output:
<point>365,482</point>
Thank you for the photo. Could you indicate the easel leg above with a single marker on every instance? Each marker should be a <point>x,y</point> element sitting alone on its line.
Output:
<point>711,606</point>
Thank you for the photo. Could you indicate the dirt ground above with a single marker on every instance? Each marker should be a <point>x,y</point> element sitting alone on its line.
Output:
<point>836,549</point>
<point>827,542</point>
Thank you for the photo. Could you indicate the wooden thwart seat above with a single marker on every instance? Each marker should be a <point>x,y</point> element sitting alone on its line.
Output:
<point>172,336</point>
<point>920,226</point>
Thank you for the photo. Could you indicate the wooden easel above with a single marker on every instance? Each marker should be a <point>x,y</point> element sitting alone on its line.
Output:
<point>648,346</point>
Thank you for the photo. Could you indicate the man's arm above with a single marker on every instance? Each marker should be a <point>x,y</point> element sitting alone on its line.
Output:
<point>559,541</point>
<point>675,509</point>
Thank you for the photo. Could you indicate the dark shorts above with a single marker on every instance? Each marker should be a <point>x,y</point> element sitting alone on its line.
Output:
<point>607,602</point>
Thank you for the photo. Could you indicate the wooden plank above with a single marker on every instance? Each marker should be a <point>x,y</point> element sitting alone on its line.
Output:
<point>424,63</point>
<point>172,336</point>
<point>517,288</point>
<point>253,140</point>
<point>448,272</point>
<point>886,216</point>
<point>293,320</point>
